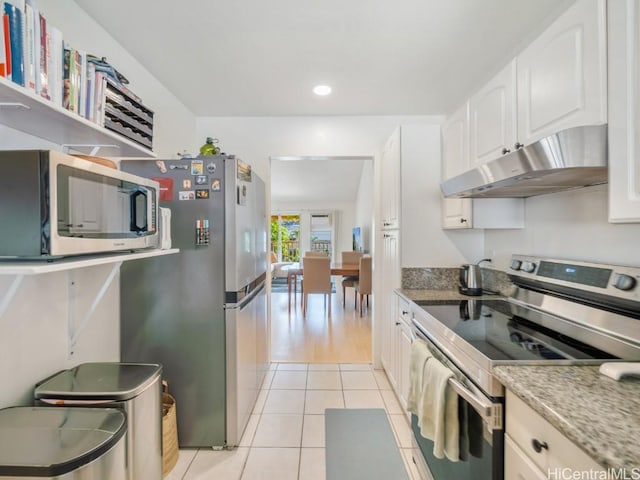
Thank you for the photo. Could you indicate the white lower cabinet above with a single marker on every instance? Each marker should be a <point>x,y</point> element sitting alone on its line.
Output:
<point>388,301</point>
<point>403,343</point>
<point>517,466</point>
<point>535,449</point>
<point>388,351</point>
<point>397,348</point>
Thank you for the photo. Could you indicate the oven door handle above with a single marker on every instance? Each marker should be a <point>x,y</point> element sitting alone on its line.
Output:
<point>490,412</point>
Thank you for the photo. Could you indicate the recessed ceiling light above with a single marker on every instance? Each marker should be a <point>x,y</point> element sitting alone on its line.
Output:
<point>322,89</point>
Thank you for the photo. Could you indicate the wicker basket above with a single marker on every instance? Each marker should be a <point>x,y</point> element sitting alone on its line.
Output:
<point>169,431</point>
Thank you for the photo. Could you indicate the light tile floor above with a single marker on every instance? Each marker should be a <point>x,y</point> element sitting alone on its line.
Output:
<point>284,438</point>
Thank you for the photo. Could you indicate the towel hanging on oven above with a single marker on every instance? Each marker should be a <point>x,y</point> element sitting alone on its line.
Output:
<point>420,353</point>
<point>439,408</point>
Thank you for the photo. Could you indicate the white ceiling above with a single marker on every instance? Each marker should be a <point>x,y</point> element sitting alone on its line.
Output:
<point>315,180</point>
<point>257,57</point>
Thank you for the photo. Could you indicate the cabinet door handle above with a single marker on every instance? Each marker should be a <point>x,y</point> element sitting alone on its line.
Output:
<point>463,220</point>
<point>505,150</point>
<point>404,312</point>
<point>397,323</point>
<point>539,446</point>
<point>518,145</point>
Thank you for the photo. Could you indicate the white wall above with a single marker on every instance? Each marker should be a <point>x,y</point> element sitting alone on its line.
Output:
<point>34,324</point>
<point>255,139</point>
<point>365,205</point>
<point>423,242</point>
<point>570,225</point>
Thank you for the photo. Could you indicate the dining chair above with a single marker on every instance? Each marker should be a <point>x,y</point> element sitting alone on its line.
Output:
<point>349,258</point>
<point>315,254</point>
<point>316,278</point>
<point>363,285</point>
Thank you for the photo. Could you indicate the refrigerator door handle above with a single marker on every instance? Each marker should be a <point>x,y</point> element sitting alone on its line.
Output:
<point>246,300</point>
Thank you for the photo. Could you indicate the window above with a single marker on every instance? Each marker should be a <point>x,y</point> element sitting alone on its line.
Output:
<point>285,237</point>
<point>322,233</point>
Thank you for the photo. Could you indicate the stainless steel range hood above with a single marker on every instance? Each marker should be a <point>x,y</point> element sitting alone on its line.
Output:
<point>572,158</point>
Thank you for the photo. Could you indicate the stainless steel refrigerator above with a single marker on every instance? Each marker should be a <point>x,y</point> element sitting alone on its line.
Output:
<point>201,313</point>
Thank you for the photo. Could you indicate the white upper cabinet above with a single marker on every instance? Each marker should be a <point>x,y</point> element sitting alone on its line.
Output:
<point>456,213</point>
<point>624,111</point>
<point>462,213</point>
<point>390,193</point>
<point>455,143</point>
<point>492,118</point>
<point>559,81</point>
<point>562,75</point>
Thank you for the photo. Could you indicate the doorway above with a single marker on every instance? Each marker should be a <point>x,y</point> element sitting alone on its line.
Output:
<point>316,203</point>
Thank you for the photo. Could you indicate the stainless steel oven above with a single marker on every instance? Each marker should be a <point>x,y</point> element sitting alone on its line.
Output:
<point>483,419</point>
<point>558,313</point>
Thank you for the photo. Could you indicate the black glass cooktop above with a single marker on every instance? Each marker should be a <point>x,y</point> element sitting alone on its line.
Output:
<point>501,331</point>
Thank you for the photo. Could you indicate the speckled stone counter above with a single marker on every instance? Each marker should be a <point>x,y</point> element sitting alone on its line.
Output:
<point>417,295</point>
<point>597,413</point>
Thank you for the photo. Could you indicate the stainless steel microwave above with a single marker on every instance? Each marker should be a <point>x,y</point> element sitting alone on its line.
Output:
<point>55,205</point>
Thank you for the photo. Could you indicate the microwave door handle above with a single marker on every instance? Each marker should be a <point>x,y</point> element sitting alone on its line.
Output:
<point>134,212</point>
<point>490,412</point>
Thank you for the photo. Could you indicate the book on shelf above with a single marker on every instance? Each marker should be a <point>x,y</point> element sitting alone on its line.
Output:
<point>30,53</point>
<point>90,92</point>
<point>55,64</point>
<point>73,79</point>
<point>5,44</point>
<point>15,22</point>
<point>99,97</point>
<point>69,67</point>
<point>82,83</point>
<point>44,59</point>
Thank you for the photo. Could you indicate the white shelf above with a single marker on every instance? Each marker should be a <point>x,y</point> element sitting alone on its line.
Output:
<point>23,110</point>
<point>18,267</point>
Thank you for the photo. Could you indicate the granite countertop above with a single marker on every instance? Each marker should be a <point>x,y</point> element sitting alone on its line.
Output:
<point>597,413</point>
<point>418,295</point>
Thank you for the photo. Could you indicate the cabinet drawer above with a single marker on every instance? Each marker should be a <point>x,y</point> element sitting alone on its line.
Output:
<point>517,466</point>
<point>524,426</point>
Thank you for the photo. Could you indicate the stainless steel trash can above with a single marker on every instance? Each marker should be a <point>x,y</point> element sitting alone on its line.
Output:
<point>62,443</point>
<point>132,387</point>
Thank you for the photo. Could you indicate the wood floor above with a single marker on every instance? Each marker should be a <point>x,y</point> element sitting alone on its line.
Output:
<point>344,337</point>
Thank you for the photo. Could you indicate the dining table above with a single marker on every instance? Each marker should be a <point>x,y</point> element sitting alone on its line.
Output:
<point>337,269</point>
